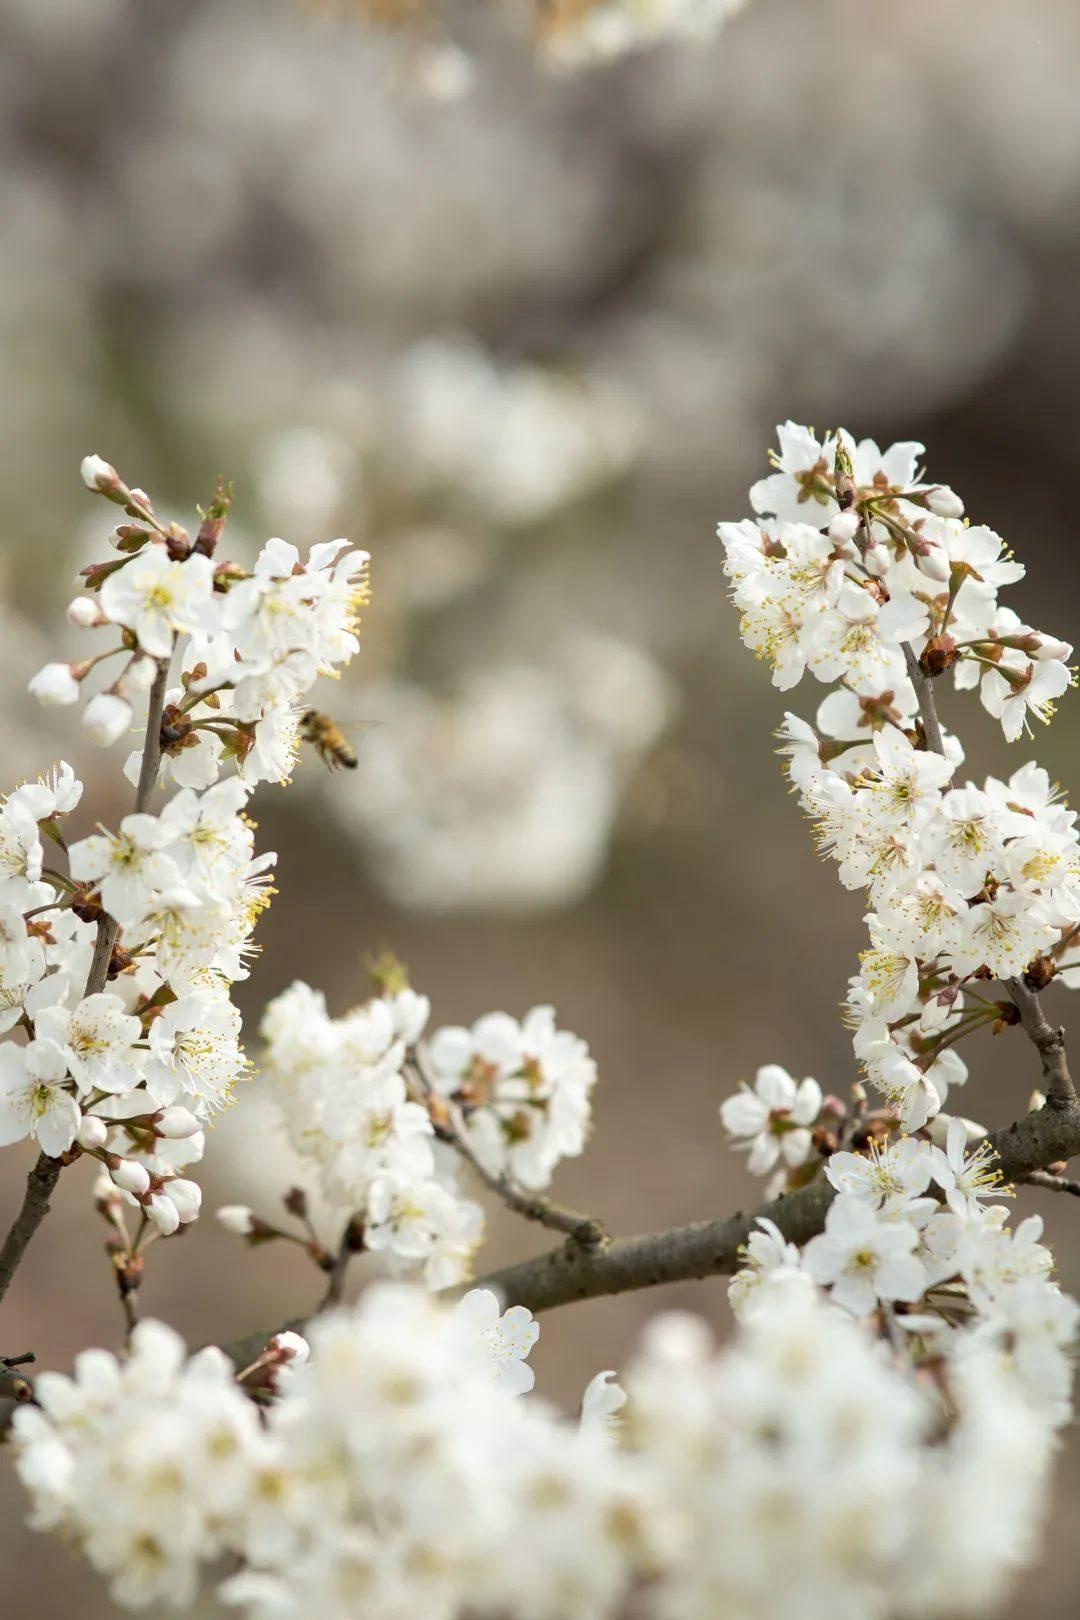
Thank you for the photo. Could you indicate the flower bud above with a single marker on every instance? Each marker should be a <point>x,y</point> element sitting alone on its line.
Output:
<point>83,612</point>
<point>54,684</point>
<point>934,563</point>
<point>237,1219</point>
<point>844,527</point>
<point>131,1177</point>
<point>99,476</point>
<point>106,717</point>
<point>176,1123</point>
<point>186,1196</point>
<point>92,1132</point>
<point>164,1213</point>
<point>139,675</point>
<point>944,502</point>
<point>290,1346</point>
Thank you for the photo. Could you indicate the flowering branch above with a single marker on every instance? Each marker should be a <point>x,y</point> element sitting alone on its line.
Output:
<point>712,1248</point>
<point>450,1127</point>
<point>42,1180</point>
<point>1049,1042</point>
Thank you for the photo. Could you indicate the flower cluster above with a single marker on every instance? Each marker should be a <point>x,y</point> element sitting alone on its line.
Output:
<point>254,642</point>
<point>852,557</point>
<point>524,1088</point>
<point>915,1352</point>
<point>911,1237</point>
<point>366,1102</point>
<point>392,1468</point>
<point>353,1109</point>
<point>118,971</point>
<point>933,1488</point>
<point>866,575</point>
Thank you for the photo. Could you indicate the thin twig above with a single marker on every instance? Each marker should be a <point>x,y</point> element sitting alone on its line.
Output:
<point>352,1242</point>
<point>924,692</point>
<point>1048,1041</point>
<point>1052,1183</point>
<point>450,1126</point>
<point>41,1181</point>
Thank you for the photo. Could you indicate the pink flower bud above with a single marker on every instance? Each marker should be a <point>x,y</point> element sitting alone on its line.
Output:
<point>92,1132</point>
<point>105,718</point>
<point>54,684</point>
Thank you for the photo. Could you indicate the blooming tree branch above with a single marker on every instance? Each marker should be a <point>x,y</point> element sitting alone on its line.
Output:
<point>895,1333</point>
<point>42,1179</point>
<point>717,1248</point>
<point>450,1126</point>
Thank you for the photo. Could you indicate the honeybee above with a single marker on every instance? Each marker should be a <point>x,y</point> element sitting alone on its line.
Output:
<point>328,740</point>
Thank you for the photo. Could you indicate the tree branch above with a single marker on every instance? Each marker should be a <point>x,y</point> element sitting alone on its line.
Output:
<point>1051,1183</point>
<point>450,1127</point>
<point>1049,1042</point>
<point>41,1181</point>
<point>40,1184</point>
<point>712,1248</point>
<point>924,693</point>
<point>708,1248</point>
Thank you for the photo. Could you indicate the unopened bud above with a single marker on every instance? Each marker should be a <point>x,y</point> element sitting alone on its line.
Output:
<point>54,685</point>
<point>164,1213</point>
<point>129,537</point>
<point>187,1196</point>
<point>943,501</point>
<point>139,675</point>
<point>1050,647</point>
<point>102,478</point>
<point>176,1123</point>
<point>105,718</point>
<point>934,563</point>
<point>83,612</point>
<point>237,1219</point>
<point>844,527</point>
<point>289,1346</point>
<point>131,1177</point>
<point>92,1133</point>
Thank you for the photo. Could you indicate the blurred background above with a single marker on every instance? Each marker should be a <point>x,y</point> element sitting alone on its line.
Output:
<point>525,335</point>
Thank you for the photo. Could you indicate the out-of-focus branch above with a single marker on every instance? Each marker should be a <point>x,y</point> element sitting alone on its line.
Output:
<point>41,1181</point>
<point>1052,1183</point>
